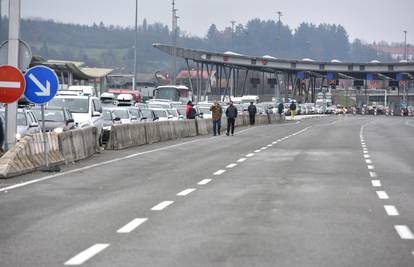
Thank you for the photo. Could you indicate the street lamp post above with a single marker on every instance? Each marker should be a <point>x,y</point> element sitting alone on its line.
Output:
<point>405,45</point>
<point>136,46</point>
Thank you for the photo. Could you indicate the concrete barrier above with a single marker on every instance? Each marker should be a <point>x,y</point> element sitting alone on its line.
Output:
<point>78,144</point>
<point>152,132</point>
<point>126,135</point>
<point>203,126</point>
<point>28,155</point>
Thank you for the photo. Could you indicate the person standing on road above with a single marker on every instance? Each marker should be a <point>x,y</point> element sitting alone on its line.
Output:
<point>292,110</point>
<point>231,113</point>
<point>217,112</point>
<point>252,113</point>
<point>280,109</point>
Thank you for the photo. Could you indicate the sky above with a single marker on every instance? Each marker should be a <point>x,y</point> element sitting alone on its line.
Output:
<point>369,20</point>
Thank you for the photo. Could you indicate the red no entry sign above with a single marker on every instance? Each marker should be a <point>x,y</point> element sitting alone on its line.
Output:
<point>12,84</point>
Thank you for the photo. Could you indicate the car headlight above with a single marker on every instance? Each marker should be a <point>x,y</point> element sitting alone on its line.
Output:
<point>58,130</point>
<point>18,136</point>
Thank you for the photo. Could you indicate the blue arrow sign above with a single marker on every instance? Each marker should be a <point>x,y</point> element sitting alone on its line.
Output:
<point>41,84</point>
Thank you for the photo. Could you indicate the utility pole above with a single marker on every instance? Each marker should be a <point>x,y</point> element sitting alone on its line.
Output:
<point>405,45</point>
<point>134,84</point>
<point>174,40</point>
<point>279,13</point>
<point>13,60</point>
<point>232,33</point>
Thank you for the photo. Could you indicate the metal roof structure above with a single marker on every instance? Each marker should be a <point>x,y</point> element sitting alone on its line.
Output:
<point>345,70</point>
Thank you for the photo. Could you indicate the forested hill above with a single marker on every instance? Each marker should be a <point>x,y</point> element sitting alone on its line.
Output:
<point>100,45</point>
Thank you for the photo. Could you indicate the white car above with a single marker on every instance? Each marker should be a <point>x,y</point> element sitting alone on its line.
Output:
<point>162,114</point>
<point>86,110</point>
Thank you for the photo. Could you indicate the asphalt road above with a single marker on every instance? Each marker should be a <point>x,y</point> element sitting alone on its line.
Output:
<point>335,191</point>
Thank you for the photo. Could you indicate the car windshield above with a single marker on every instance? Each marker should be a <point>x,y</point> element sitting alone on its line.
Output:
<point>146,113</point>
<point>161,113</point>
<point>21,117</point>
<point>134,112</point>
<point>107,115</point>
<point>50,115</point>
<point>74,105</point>
<point>122,114</point>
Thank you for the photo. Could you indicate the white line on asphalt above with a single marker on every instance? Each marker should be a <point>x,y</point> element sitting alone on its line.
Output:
<point>367,156</point>
<point>391,210</point>
<point>275,142</point>
<point>404,231</point>
<point>257,151</point>
<point>186,192</point>
<point>368,161</point>
<point>162,205</point>
<point>270,145</point>
<point>371,167</point>
<point>204,182</point>
<point>241,160</point>
<point>382,195</point>
<point>219,172</point>
<point>230,166</point>
<point>131,226</point>
<point>250,155</point>
<point>280,140</point>
<point>376,183</point>
<point>364,146</point>
<point>264,148</point>
<point>86,254</point>
<point>373,174</point>
<point>366,152</point>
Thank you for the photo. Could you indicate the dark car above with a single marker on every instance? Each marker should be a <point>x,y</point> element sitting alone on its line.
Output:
<point>57,119</point>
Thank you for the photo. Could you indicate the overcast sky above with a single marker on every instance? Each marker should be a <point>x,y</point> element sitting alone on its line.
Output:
<point>370,20</point>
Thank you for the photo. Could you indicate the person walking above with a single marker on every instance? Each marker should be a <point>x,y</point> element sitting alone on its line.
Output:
<point>217,112</point>
<point>280,109</point>
<point>231,113</point>
<point>292,110</point>
<point>252,113</point>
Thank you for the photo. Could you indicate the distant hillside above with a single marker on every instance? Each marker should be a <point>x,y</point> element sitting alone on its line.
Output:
<point>109,46</point>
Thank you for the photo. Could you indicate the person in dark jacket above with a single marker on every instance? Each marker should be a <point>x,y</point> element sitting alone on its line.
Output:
<point>292,110</point>
<point>280,109</point>
<point>231,113</point>
<point>192,113</point>
<point>188,108</point>
<point>252,113</point>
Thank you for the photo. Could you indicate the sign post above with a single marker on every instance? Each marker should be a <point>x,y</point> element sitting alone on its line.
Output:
<point>41,86</point>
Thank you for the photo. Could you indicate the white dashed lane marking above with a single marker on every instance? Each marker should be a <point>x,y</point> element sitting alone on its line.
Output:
<point>376,183</point>
<point>87,254</point>
<point>257,151</point>
<point>368,161</point>
<point>382,195</point>
<point>230,166</point>
<point>404,232</point>
<point>391,210</point>
<point>367,156</point>
<point>270,145</point>
<point>373,174</point>
<point>219,172</point>
<point>186,192</point>
<point>275,142</point>
<point>241,160</point>
<point>250,155</point>
<point>131,226</point>
<point>162,205</point>
<point>204,182</point>
<point>371,167</point>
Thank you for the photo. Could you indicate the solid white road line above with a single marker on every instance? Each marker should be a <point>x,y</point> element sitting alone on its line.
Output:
<point>162,205</point>
<point>241,160</point>
<point>368,161</point>
<point>230,166</point>
<point>391,210</point>
<point>86,254</point>
<point>204,182</point>
<point>404,231</point>
<point>186,192</point>
<point>376,183</point>
<point>131,226</point>
<point>382,195</point>
<point>219,172</point>
<point>250,155</point>
<point>373,174</point>
<point>371,167</point>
